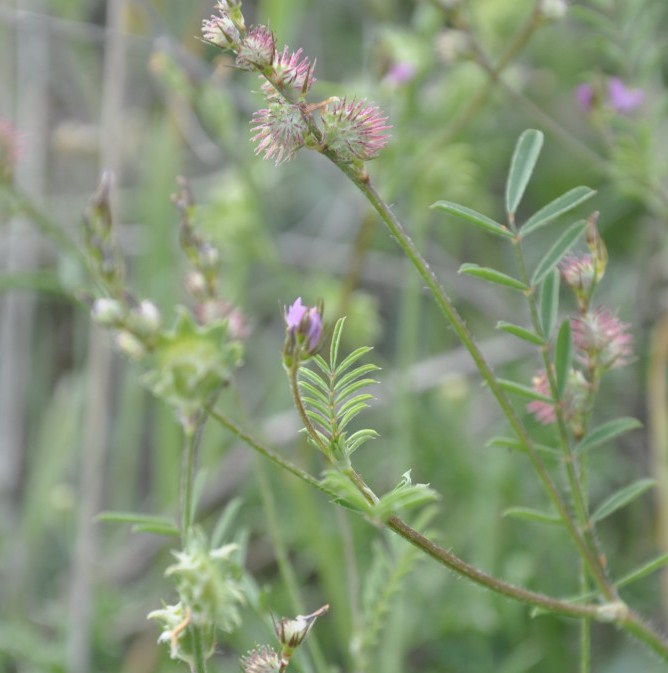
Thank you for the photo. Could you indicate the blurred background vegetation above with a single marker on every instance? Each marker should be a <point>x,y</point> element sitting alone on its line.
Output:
<point>127,84</point>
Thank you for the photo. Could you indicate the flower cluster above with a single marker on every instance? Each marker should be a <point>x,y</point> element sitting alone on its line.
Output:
<point>601,342</point>
<point>347,131</point>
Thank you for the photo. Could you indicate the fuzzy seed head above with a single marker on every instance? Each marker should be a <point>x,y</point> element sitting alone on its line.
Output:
<point>261,660</point>
<point>279,131</point>
<point>221,31</point>
<point>354,130</point>
<point>572,402</point>
<point>257,49</point>
<point>290,70</point>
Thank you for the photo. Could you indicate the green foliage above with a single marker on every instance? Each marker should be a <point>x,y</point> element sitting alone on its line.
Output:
<point>333,397</point>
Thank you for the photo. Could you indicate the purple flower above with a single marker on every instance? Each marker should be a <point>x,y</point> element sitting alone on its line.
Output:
<point>304,326</point>
<point>584,95</point>
<point>400,73</point>
<point>354,130</point>
<point>623,99</point>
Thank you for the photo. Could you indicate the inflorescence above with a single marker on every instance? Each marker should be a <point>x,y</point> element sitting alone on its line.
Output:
<point>348,131</point>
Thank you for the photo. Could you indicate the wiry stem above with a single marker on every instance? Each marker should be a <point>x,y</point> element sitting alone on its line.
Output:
<point>443,556</point>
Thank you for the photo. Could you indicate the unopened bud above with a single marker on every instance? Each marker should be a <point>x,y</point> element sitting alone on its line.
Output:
<point>303,331</point>
<point>196,284</point>
<point>291,632</point>
<point>107,312</point>
<point>144,319</point>
<point>553,10</point>
<point>209,257</point>
<point>130,345</point>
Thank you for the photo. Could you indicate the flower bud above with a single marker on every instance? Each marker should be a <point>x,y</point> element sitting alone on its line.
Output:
<point>303,331</point>
<point>130,345</point>
<point>144,319</point>
<point>107,312</point>
<point>196,284</point>
<point>291,632</point>
<point>553,10</point>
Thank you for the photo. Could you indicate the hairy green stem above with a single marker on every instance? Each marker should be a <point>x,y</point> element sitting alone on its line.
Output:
<point>199,665</point>
<point>569,458</point>
<point>187,480</point>
<point>361,180</point>
<point>443,556</point>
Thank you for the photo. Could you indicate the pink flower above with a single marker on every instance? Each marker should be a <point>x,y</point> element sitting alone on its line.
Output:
<point>354,130</point>
<point>602,339</point>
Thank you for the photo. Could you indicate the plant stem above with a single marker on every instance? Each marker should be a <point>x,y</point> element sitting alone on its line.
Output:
<point>443,556</point>
<point>187,479</point>
<point>200,660</point>
<point>627,619</point>
<point>361,180</point>
<point>576,483</point>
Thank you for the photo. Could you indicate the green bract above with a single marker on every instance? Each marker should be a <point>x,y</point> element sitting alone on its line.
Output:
<point>191,362</point>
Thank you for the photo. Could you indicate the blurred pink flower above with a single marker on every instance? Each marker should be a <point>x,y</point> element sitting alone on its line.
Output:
<point>602,339</point>
<point>400,73</point>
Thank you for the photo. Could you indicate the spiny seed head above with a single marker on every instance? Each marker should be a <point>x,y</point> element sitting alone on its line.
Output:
<point>221,31</point>
<point>290,70</point>
<point>279,131</point>
<point>261,660</point>
<point>355,129</point>
<point>257,49</point>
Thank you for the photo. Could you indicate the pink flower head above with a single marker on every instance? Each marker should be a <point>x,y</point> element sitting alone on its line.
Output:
<point>572,402</point>
<point>354,130</point>
<point>221,31</point>
<point>279,131</point>
<point>602,339</point>
<point>304,326</point>
<point>578,271</point>
<point>290,71</point>
<point>257,49</point>
<point>261,660</point>
<point>623,99</point>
